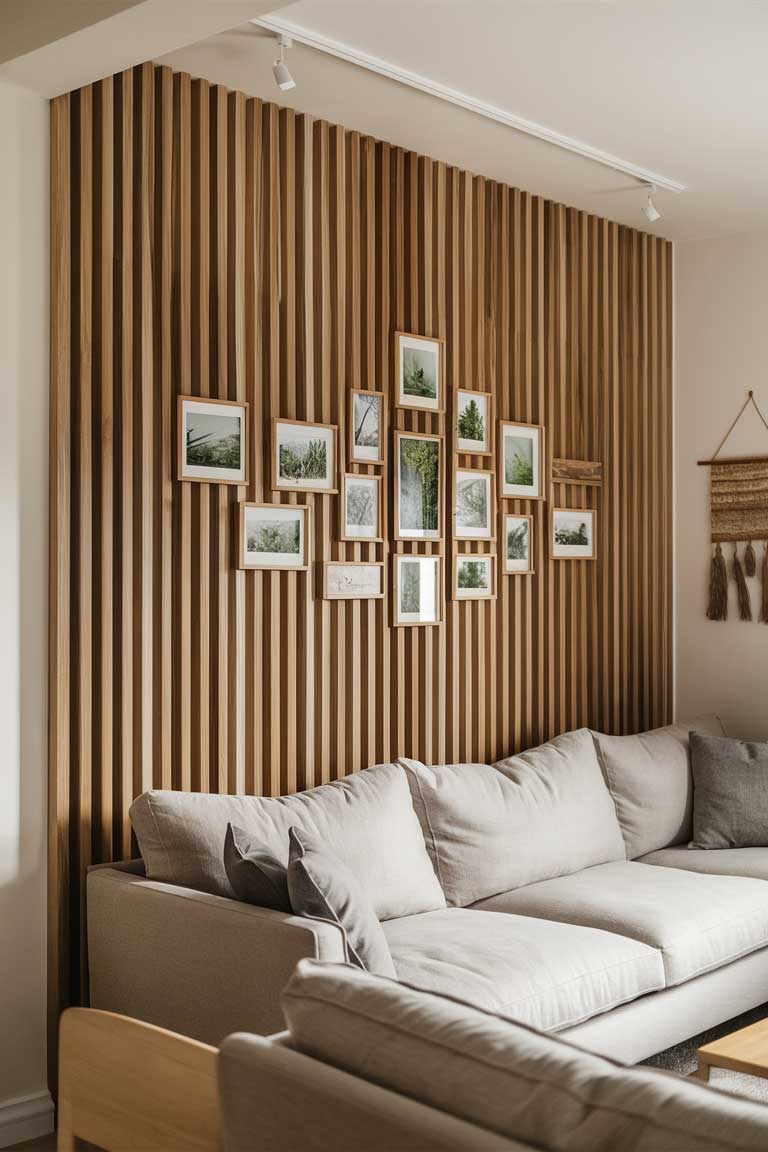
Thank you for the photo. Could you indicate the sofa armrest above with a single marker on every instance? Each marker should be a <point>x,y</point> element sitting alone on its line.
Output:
<point>191,962</point>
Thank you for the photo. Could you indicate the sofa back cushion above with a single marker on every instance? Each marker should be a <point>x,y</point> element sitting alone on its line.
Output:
<point>505,1076</point>
<point>366,819</point>
<point>649,778</point>
<point>541,814</point>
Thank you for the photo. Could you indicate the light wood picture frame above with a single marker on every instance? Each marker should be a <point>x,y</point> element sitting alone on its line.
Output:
<point>417,591</point>
<point>367,421</point>
<point>474,504</point>
<point>352,580</point>
<point>210,434</point>
<point>298,449</point>
<point>521,461</point>
<point>517,554</point>
<point>419,372</point>
<point>474,576</point>
<point>463,413</point>
<point>413,483</point>
<point>578,523</point>
<point>273,536</point>
<point>361,511</point>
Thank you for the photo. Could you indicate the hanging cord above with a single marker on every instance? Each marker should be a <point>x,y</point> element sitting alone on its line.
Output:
<point>749,400</point>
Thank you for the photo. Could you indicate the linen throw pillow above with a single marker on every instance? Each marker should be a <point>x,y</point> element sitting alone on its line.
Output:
<point>256,877</point>
<point>322,887</point>
<point>730,792</point>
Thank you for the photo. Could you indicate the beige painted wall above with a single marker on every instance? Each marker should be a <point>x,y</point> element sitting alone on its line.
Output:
<point>23,608</point>
<point>722,351</point>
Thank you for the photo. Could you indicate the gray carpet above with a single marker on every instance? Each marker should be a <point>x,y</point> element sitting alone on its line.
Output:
<point>682,1059</point>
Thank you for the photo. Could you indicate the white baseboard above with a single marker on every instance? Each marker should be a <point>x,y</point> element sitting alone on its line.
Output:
<point>25,1118</point>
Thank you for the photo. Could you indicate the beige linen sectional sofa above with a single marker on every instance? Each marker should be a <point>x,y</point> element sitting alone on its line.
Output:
<point>554,887</point>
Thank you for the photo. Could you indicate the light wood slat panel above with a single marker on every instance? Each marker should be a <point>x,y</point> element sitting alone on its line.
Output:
<point>207,243</point>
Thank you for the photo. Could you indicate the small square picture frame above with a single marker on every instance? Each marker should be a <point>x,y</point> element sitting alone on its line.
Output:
<point>308,442</point>
<point>419,372</point>
<point>576,523</point>
<point>283,547</point>
<point>209,432</point>
<point>467,570</point>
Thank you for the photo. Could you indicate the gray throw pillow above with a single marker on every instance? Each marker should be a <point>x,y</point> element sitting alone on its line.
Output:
<point>255,875</point>
<point>730,793</point>
<point>321,886</point>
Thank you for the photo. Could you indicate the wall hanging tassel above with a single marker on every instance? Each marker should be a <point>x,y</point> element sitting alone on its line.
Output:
<point>750,560</point>
<point>745,605</point>
<point>718,587</point>
<point>764,605</point>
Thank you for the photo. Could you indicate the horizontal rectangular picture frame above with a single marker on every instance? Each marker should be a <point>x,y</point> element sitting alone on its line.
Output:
<point>436,498</point>
<point>210,439</point>
<point>463,445</point>
<point>353,584</point>
<point>359,483</point>
<point>575,521</point>
<point>517,487</point>
<point>477,561</point>
<point>328,435</point>
<point>272,522</point>
<point>358,419</point>
<point>405,589</point>
<point>517,565</point>
<point>429,351</point>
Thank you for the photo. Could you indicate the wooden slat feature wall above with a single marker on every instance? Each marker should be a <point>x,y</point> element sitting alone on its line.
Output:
<point>207,243</point>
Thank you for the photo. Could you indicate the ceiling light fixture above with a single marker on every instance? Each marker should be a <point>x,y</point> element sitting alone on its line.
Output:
<point>283,78</point>
<point>650,211</point>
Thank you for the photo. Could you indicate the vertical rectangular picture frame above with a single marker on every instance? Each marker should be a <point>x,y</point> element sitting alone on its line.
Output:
<point>432,345</point>
<point>514,491</point>
<point>381,457</point>
<point>400,558</point>
<point>488,397</point>
<point>399,437</point>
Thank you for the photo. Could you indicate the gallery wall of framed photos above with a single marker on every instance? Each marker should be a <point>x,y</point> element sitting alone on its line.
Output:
<point>215,247</point>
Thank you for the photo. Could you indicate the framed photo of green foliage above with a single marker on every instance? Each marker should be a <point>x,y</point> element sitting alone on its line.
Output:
<point>417,598</point>
<point>273,536</point>
<point>367,427</point>
<point>474,422</point>
<point>474,577</point>
<point>473,504</point>
<point>517,535</point>
<point>521,461</point>
<point>361,507</point>
<point>419,372</point>
<point>418,486</point>
<point>573,534</point>
<point>303,456</point>
<point>213,440</point>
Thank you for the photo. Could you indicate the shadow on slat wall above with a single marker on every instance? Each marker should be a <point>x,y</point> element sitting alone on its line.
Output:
<point>207,243</point>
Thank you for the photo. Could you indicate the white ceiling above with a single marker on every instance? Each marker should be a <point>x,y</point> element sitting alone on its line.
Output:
<point>679,87</point>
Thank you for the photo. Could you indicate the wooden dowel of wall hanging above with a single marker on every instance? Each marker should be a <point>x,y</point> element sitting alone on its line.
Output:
<point>734,460</point>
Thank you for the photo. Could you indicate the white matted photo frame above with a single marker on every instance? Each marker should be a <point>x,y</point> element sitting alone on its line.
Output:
<point>573,534</point>
<point>419,372</point>
<point>517,544</point>
<point>474,511</point>
<point>418,486</point>
<point>521,461</point>
<point>473,422</point>
<point>367,420</point>
<point>474,576</point>
<point>361,507</point>
<point>303,456</point>
<point>273,536</point>
<point>353,580</point>
<point>417,591</point>
<point>212,440</point>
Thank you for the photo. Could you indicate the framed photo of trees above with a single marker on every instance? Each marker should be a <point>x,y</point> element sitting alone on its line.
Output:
<point>273,536</point>
<point>213,440</point>
<point>473,504</point>
<point>303,456</point>
<point>474,422</point>
<point>474,576</point>
<point>418,486</point>
<point>573,534</point>
<point>521,461</point>
<point>419,372</point>
<point>517,545</point>
<point>367,427</point>
<point>361,507</point>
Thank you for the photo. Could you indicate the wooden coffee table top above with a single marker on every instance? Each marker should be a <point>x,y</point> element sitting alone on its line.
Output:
<point>742,1051</point>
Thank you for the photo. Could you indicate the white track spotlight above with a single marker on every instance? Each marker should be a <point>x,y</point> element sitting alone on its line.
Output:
<point>283,78</point>
<point>650,211</point>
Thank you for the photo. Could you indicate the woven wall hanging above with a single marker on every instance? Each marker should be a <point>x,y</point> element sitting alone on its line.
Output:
<point>738,495</point>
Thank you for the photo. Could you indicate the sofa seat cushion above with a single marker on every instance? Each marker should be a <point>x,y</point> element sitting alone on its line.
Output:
<point>547,974</point>
<point>714,861</point>
<point>506,1077</point>
<point>698,922</point>
<point>366,819</point>
<point>544,813</point>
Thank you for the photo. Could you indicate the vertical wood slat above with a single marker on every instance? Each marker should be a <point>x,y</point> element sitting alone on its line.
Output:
<point>203,242</point>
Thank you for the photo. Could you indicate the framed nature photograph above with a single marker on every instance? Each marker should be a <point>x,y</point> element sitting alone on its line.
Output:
<point>518,545</point>
<point>367,427</point>
<point>473,422</point>
<point>419,372</point>
<point>273,536</point>
<point>361,511</point>
<point>303,456</point>
<point>417,598</point>
<point>474,577</point>
<point>213,440</point>
<point>521,460</point>
<point>473,517</point>
<point>573,534</point>
<point>353,580</point>
<point>418,486</point>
